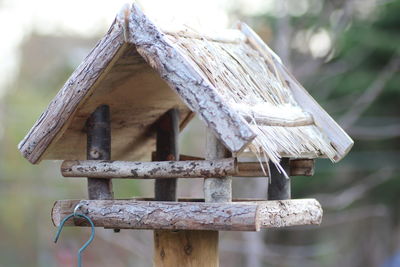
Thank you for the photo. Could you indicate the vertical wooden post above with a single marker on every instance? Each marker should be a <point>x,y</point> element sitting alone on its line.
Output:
<point>279,187</point>
<point>167,149</point>
<point>99,148</point>
<point>217,189</point>
<point>180,248</point>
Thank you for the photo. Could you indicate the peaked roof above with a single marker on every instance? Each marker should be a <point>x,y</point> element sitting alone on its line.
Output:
<point>234,82</point>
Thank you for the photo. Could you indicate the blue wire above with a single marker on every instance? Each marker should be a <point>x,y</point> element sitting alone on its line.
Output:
<point>60,227</point>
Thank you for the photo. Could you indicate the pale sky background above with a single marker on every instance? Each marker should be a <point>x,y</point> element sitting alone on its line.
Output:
<point>18,18</point>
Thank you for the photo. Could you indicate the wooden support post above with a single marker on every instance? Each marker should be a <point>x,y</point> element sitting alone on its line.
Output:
<point>167,150</point>
<point>279,187</point>
<point>99,148</point>
<point>217,190</point>
<point>168,245</point>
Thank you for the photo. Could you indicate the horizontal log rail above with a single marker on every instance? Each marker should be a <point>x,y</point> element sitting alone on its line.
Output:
<point>149,170</point>
<point>298,167</point>
<point>176,169</point>
<point>233,216</point>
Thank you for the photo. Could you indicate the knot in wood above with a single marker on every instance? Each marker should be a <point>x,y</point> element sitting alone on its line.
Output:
<point>188,249</point>
<point>95,153</point>
<point>162,253</point>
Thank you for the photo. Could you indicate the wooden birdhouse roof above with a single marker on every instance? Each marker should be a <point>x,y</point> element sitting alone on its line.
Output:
<point>232,80</point>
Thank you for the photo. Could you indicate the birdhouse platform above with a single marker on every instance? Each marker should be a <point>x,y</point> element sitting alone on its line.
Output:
<point>191,214</point>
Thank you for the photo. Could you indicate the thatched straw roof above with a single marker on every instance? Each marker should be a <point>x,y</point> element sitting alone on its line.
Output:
<point>232,80</point>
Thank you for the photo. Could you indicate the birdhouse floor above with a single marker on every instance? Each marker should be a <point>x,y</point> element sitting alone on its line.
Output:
<point>191,214</point>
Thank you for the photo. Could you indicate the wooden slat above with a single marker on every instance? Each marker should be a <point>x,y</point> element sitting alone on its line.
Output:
<point>234,216</point>
<point>340,141</point>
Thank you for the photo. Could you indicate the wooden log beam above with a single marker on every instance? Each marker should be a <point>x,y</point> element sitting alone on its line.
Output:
<point>99,148</point>
<point>298,167</point>
<point>149,170</point>
<point>178,169</point>
<point>232,216</point>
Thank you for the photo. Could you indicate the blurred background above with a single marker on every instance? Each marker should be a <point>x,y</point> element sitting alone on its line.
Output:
<point>346,53</point>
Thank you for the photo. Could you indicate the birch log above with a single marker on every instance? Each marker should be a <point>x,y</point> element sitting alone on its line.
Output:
<point>178,169</point>
<point>233,216</point>
<point>154,169</point>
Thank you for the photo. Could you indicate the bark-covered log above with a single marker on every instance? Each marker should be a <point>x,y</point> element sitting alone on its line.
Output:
<point>167,150</point>
<point>216,190</point>
<point>282,213</point>
<point>154,169</point>
<point>234,216</point>
<point>99,148</point>
<point>220,168</point>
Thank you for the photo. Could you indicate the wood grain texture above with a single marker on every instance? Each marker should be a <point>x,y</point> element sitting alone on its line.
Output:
<point>186,248</point>
<point>340,141</point>
<point>195,90</point>
<point>149,170</point>
<point>234,216</point>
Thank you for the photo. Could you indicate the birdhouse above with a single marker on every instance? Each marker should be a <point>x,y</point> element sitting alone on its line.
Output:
<point>139,87</point>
